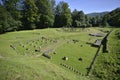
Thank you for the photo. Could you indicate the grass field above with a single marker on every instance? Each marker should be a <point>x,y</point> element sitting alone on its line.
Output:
<point>21,54</point>
<point>107,66</point>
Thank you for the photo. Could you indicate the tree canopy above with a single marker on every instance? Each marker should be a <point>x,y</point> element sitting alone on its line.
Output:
<point>63,15</point>
<point>37,14</point>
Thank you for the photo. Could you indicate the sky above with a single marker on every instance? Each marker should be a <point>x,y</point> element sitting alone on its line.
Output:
<point>89,6</point>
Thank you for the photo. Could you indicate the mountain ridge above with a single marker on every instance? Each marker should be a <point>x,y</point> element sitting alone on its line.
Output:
<point>97,14</point>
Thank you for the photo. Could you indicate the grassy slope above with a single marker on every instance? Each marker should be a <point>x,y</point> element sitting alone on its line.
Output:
<point>18,66</point>
<point>75,51</point>
<point>14,66</point>
<point>107,66</point>
<point>32,69</point>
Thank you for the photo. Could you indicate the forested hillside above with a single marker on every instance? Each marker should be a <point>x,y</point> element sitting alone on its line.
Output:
<point>113,17</point>
<point>37,14</point>
<point>97,14</point>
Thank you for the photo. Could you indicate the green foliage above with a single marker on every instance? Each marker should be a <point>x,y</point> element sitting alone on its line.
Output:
<point>113,17</point>
<point>7,23</point>
<point>12,7</point>
<point>66,14</point>
<point>45,8</point>
<point>30,14</point>
<point>52,3</point>
<point>117,33</point>
<point>63,15</point>
<point>96,21</point>
<point>107,66</point>
<point>58,18</point>
<point>80,19</point>
<point>104,22</point>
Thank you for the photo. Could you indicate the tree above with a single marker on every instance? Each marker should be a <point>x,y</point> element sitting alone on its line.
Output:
<point>7,23</point>
<point>104,22</point>
<point>30,14</point>
<point>12,7</point>
<point>87,21</point>
<point>113,18</point>
<point>63,15</point>
<point>66,14</point>
<point>74,17</point>
<point>46,13</point>
<point>99,20</point>
<point>3,20</point>
<point>79,19</point>
<point>58,18</point>
<point>52,3</point>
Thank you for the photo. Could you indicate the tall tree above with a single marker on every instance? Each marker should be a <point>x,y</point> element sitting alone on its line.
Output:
<point>87,21</point>
<point>74,17</point>
<point>96,21</point>
<point>78,18</point>
<point>104,22</point>
<point>58,18</point>
<point>7,23</point>
<point>52,3</point>
<point>13,8</point>
<point>30,14</point>
<point>63,15</point>
<point>47,13</point>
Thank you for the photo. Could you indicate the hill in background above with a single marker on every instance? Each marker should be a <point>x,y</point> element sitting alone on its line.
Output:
<point>113,17</point>
<point>97,14</point>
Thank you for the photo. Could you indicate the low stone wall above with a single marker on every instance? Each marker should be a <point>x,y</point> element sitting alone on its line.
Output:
<point>71,68</point>
<point>104,43</point>
<point>92,63</point>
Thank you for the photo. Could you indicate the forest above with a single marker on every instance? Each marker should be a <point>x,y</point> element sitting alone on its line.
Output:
<point>37,14</point>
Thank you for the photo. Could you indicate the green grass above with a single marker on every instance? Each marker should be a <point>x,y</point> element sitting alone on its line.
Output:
<point>22,64</point>
<point>107,66</point>
<point>32,69</point>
